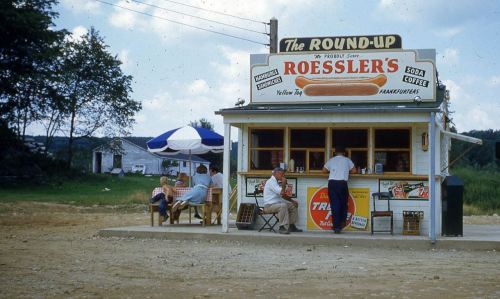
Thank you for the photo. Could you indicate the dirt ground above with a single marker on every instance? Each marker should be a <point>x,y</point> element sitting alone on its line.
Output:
<point>52,251</point>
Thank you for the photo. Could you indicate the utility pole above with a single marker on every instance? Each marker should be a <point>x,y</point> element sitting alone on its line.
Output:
<point>273,35</point>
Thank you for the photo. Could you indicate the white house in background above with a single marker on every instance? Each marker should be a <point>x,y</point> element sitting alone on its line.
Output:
<point>134,152</point>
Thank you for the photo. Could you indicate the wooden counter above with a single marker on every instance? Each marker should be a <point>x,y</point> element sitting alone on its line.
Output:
<point>325,175</point>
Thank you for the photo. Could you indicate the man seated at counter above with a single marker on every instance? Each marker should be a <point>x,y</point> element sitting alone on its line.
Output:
<point>275,201</point>
<point>339,168</point>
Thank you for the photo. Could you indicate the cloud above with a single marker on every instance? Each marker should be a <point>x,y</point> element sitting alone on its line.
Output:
<point>200,98</point>
<point>494,81</point>
<point>124,57</point>
<point>127,19</point>
<point>449,32</point>
<point>471,113</point>
<point>166,111</point>
<point>235,65</point>
<point>450,57</point>
<point>444,18</point>
<point>77,34</point>
<point>160,110</point>
<point>79,6</point>
<point>166,19</point>
<point>233,73</point>
<point>197,87</point>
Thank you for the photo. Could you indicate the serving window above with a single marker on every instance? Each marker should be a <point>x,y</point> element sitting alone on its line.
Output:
<point>355,141</point>
<point>392,148</point>
<point>307,148</point>
<point>266,148</point>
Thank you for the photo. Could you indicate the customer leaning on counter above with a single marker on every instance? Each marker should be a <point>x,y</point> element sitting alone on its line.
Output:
<point>339,168</point>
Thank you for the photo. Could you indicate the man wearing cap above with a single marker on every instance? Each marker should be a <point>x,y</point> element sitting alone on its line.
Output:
<point>274,202</point>
<point>339,168</point>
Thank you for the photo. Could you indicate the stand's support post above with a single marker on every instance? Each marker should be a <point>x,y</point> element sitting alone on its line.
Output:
<point>432,176</point>
<point>225,186</point>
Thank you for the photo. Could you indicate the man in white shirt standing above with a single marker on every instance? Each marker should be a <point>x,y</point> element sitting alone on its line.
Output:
<point>274,202</point>
<point>217,177</point>
<point>339,168</point>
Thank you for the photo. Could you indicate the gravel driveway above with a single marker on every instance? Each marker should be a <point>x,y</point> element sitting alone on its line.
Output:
<point>49,250</point>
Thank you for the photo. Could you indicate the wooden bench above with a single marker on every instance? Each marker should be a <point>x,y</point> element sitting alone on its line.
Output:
<point>180,191</point>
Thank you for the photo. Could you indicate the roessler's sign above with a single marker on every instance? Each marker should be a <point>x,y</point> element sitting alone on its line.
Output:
<point>341,66</point>
<point>343,77</point>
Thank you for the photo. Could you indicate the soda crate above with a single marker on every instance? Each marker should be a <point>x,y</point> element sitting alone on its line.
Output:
<point>411,222</point>
<point>246,216</point>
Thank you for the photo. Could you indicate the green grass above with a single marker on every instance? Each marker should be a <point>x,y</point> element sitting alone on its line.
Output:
<point>86,191</point>
<point>481,190</point>
<point>481,196</point>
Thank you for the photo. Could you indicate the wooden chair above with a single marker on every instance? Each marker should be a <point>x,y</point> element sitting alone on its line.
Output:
<point>217,203</point>
<point>386,213</point>
<point>203,213</point>
<point>270,219</point>
<point>155,207</point>
<point>206,218</point>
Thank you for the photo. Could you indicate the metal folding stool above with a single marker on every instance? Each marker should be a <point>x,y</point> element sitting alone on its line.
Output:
<point>270,219</point>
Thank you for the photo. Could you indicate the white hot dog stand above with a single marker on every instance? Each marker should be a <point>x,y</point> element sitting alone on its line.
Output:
<point>383,105</point>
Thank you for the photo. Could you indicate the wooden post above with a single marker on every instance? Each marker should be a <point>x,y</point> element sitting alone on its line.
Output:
<point>225,185</point>
<point>273,35</point>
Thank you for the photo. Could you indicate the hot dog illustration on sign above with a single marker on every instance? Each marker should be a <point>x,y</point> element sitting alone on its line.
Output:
<point>361,86</point>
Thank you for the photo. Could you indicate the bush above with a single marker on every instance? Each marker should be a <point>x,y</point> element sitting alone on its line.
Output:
<point>481,188</point>
<point>19,165</point>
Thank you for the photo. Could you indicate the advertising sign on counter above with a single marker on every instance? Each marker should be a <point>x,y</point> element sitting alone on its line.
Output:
<point>319,216</point>
<point>409,190</point>
<point>358,76</point>
<point>260,182</point>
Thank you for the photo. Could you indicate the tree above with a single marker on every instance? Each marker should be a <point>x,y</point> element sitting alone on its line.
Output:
<point>167,164</point>
<point>202,123</point>
<point>95,90</point>
<point>29,49</point>
<point>53,113</point>
<point>476,155</point>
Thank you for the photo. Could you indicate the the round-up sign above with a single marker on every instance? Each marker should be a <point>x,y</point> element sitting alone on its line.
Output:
<point>320,211</point>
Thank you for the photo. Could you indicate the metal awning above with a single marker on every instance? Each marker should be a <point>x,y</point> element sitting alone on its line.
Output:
<point>462,137</point>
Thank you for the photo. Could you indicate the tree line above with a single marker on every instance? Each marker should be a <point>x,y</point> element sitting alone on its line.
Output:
<point>71,86</point>
<point>478,156</point>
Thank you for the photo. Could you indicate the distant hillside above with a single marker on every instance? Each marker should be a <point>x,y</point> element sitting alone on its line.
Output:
<point>60,143</point>
<point>84,146</point>
<point>480,155</point>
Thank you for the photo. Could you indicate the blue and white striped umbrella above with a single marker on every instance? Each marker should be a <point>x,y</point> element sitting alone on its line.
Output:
<point>187,140</point>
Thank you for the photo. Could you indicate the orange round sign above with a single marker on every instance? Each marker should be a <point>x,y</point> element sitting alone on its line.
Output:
<point>319,209</point>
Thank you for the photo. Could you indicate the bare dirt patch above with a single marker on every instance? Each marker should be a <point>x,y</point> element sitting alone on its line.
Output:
<point>49,250</point>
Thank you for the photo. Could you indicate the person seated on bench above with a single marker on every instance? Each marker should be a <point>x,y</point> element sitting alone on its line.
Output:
<point>198,194</point>
<point>276,201</point>
<point>183,181</point>
<point>168,198</point>
<point>217,177</point>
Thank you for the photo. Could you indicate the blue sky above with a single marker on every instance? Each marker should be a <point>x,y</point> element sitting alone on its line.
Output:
<point>183,74</point>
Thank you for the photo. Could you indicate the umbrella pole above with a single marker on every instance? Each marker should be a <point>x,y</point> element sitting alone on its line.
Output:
<point>190,170</point>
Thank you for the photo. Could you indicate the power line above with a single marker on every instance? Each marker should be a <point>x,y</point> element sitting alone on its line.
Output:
<point>180,23</point>
<point>217,12</point>
<point>197,17</point>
